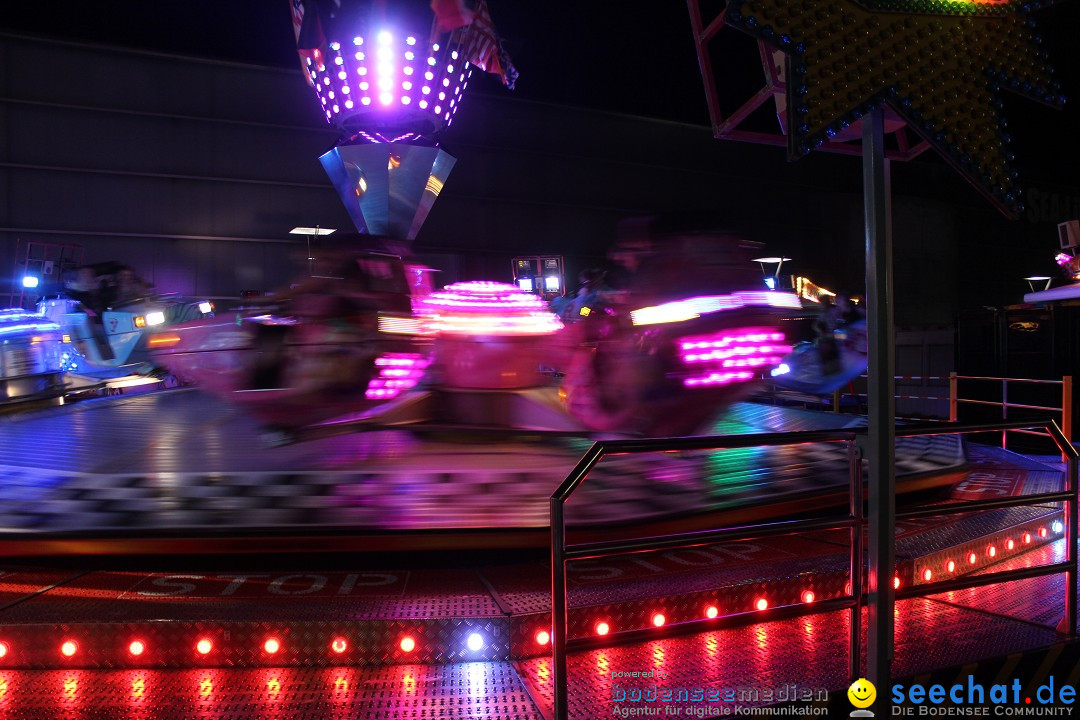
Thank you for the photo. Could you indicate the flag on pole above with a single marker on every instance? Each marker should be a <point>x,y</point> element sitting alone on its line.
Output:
<point>482,46</point>
<point>310,41</point>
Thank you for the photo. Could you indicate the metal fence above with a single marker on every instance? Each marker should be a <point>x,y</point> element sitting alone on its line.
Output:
<point>854,522</point>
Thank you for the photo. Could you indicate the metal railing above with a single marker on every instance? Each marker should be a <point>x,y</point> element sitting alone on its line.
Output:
<point>854,522</point>
<point>1065,410</point>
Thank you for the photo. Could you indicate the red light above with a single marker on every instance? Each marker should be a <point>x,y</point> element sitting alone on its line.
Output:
<point>950,566</point>
<point>927,574</point>
<point>1042,532</point>
<point>808,596</point>
<point>973,558</point>
<point>602,628</point>
<point>69,648</point>
<point>137,647</point>
<point>1027,538</point>
<point>658,620</point>
<point>712,611</point>
<point>204,646</point>
<point>762,604</point>
<point>896,582</point>
<point>3,649</point>
<point>543,637</point>
<point>272,645</point>
<point>407,644</point>
<point>991,551</point>
<point>1010,544</point>
<point>339,645</point>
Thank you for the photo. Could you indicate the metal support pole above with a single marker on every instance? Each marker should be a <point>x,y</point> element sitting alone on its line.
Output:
<point>560,690</point>
<point>881,433</point>
<point>855,509</point>
<point>953,397</point>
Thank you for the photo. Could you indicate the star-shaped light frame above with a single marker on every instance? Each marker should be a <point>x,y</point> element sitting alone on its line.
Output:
<point>940,64</point>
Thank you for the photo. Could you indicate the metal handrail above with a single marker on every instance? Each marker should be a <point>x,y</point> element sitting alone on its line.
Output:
<point>854,522</point>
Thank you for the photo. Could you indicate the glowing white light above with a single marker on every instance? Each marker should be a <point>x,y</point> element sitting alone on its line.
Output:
<point>410,55</point>
<point>428,76</point>
<point>385,83</point>
<point>349,104</point>
<point>339,60</point>
<point>384,54</point>
<point>385,68</point>
<point>423,104</point>
<point>359,55</point>
<point>405,100</point>
<point>406,85</point>
<point>345,90</point>
<point>453,55</point>
<point>426,90</point>
<point>435,47</point>
<point>431,61</point>
<point>205,307</point>
<point>781,369</point>
<point>385,98</point>
<point>475,642</point>
<point>341,75</point>
<point>445,82</point>
<point>336,108</point>
<point>335,45</point>
<point>330,94</point>
<point>361,71</point>
<point>438,110</point>
<point>449,68</point>
<point>358,41</point>
<point>410,40</point>
<point>1057,527</point>
<point>385,37</point>
<point>365,100</point>
<point>30,281</point>
<point>155,318</point>
<point>442,96</point>
<point>408,70</point>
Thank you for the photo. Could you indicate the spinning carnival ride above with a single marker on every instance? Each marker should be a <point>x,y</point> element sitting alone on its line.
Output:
<point>364,346</point>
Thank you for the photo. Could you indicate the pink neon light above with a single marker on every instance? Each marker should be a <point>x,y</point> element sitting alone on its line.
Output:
<point>726,356</point>
<point>487,308</point>
<point>398,372</point>
<point>690,308</point>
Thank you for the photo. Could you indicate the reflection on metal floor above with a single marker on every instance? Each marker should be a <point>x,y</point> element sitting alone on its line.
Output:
<point>734,668</point>
<point>185,463</point>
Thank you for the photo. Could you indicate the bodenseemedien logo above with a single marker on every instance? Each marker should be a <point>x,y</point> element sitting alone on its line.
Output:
<point>862,694</point>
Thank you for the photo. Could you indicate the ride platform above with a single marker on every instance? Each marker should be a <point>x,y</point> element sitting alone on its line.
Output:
<point>182,472</point>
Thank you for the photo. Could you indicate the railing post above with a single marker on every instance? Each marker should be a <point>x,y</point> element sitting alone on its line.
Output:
<point>560,688</point>
<point>953,403</point>
<point>1004,412</point>
<point>1071,517</point>
<point>1066,409</point>
<point>836,400</point>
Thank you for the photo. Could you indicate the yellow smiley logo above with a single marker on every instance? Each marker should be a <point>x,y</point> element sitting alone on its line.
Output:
<point>862,693</point>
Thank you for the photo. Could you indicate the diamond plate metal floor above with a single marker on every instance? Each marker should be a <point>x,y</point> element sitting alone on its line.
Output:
<point>185,464</point>
<point>759,664</point>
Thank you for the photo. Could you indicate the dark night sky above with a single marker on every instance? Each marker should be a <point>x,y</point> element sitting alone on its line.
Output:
<point>593,54</point>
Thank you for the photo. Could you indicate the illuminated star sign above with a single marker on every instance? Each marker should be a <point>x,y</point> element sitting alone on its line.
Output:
<point>939,63</point>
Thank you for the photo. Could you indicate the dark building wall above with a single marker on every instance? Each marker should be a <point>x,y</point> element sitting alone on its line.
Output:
<point>194,171</point>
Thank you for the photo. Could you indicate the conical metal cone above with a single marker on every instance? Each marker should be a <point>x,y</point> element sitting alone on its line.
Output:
<point>388,188</point>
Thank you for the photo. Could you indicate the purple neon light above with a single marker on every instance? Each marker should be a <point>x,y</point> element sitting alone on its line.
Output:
<point>731,355</point>
<point>398,372</point>
<point>392,60</point>
<point>487,308</point>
